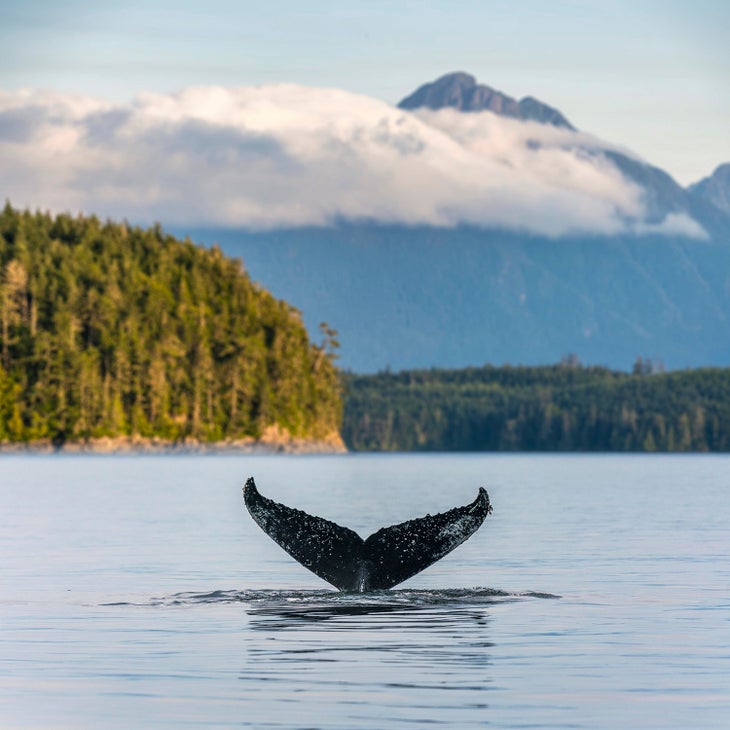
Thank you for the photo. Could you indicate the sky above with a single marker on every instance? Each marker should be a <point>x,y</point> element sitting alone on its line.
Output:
<point>283,114</point>
<point>650,76</point>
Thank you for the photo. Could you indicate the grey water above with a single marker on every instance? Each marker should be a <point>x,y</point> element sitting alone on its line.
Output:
<point>137,592</point>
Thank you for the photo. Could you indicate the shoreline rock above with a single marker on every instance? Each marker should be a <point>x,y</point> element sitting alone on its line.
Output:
<point>273,441</point>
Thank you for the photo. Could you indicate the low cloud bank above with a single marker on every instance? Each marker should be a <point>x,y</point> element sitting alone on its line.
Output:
<point>285,155</point>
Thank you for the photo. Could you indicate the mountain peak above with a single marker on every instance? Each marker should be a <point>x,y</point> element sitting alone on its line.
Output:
<point>715,188</point>
<point>461,91</point>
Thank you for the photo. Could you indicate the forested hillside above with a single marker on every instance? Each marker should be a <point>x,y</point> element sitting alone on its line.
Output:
<point>563,407</point>
<point>111,330</point>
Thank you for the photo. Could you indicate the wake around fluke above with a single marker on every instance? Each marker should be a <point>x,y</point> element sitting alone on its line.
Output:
<point>386,558</point>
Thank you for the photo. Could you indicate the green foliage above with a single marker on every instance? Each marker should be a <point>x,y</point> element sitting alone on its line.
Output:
<point>109,330</point>
<point>563,407</point>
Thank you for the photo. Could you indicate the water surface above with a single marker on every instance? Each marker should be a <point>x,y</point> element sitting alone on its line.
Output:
<point>137,592</point>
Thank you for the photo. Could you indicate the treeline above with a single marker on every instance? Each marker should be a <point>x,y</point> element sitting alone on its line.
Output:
<point>110,330</point>
<point>564,407</point>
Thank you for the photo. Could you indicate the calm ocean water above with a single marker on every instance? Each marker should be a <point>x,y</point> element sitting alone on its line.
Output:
<point>137,592</point>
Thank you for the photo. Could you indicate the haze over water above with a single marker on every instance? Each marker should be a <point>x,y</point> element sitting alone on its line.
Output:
<point>137,592</point>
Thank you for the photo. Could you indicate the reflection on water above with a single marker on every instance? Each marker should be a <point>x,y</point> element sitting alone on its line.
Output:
<point>381,659</point>
<point>390,658</point>
<point>290,611</point>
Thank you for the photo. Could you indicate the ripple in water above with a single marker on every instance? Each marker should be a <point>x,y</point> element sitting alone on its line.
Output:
<point>336,602</point>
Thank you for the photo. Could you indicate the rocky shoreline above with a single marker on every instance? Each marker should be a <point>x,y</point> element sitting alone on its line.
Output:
<point>273,441</point>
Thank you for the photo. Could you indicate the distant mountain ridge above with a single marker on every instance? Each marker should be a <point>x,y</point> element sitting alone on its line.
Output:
<point>715,188</point>
<point>662,195</point>
<point>420,296</point>
<point>461,91</point>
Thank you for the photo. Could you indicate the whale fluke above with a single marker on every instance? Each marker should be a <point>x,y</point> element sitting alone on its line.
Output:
<point>388,557</point>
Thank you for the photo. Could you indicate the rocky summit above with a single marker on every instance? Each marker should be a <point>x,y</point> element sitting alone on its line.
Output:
<point>461,91</point>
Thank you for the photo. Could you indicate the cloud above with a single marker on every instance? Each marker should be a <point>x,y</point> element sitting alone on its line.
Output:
<point>674,224</point>
<point>288,155</point>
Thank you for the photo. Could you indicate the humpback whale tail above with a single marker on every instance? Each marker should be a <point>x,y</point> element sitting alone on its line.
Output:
<point>388,557</point>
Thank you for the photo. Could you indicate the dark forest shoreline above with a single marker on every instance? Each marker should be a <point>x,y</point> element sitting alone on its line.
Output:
<point>557,408</point>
